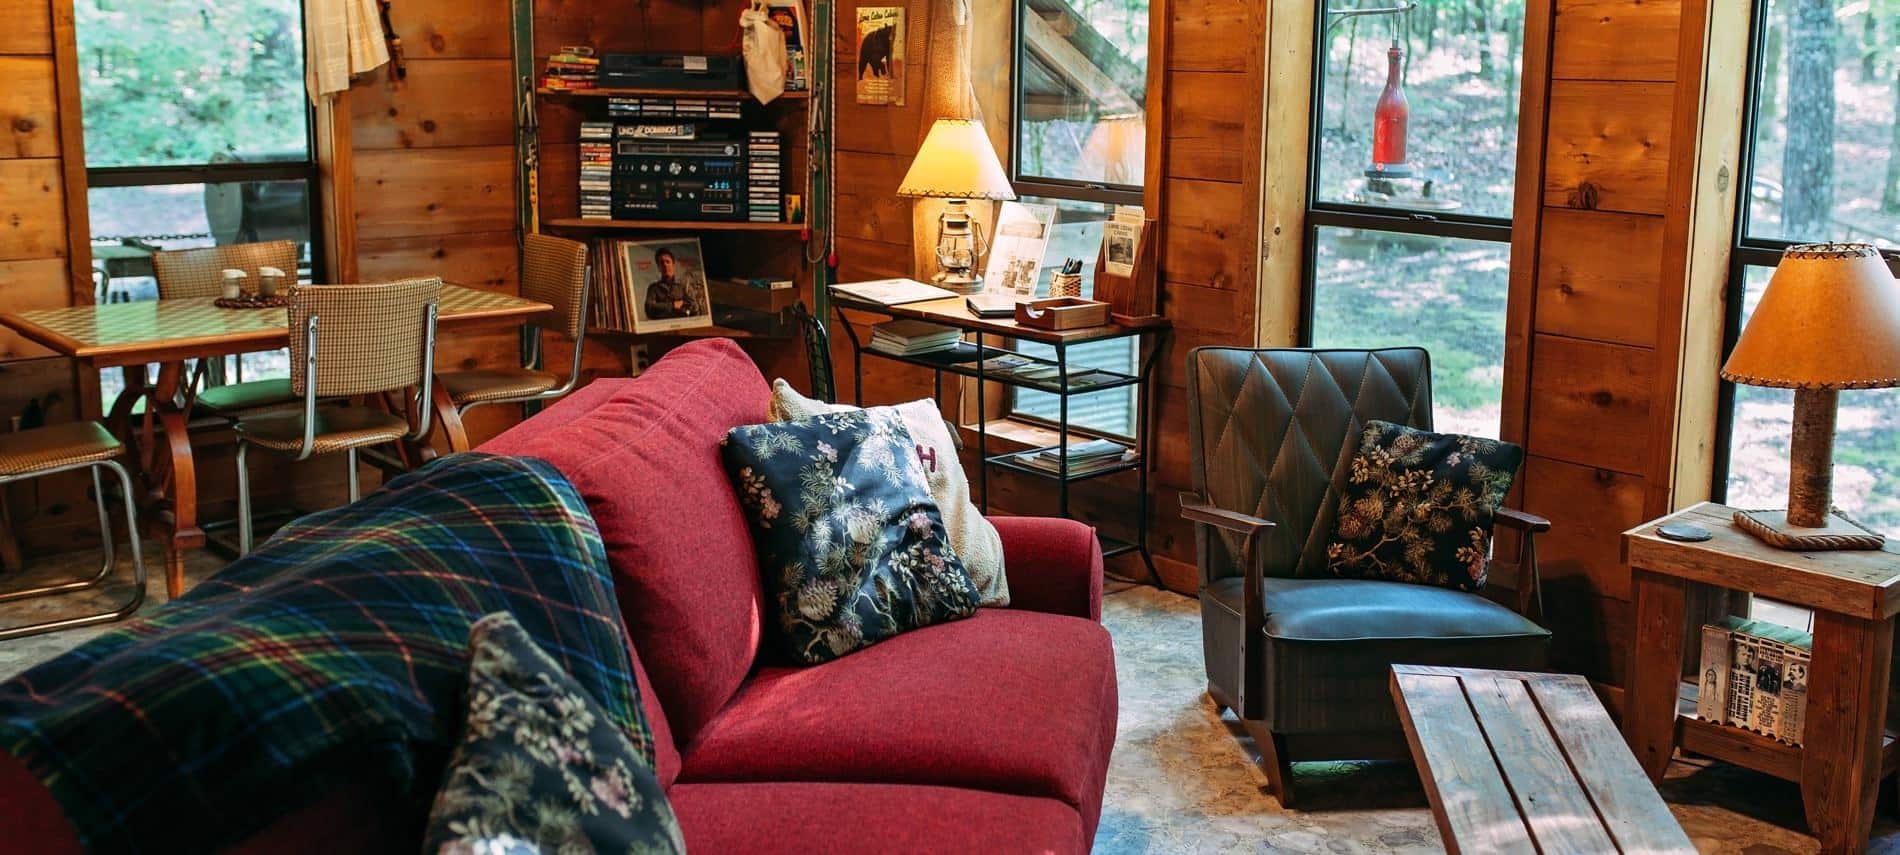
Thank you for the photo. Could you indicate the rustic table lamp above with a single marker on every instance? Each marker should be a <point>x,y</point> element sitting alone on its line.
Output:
<point>1830,320</point>
<point>957,163</point>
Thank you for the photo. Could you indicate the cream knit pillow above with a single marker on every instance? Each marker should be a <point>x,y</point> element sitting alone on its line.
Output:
<point>972,536</point>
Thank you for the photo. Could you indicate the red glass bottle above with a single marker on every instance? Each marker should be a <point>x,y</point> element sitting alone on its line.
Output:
<point>1389,117</point>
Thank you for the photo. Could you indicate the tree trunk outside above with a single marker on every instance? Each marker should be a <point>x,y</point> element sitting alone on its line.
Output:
<point>1890,188</point>
<point>1807,164</point>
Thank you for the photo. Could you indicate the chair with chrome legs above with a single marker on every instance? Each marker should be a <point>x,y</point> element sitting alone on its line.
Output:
<point>39,452</point>
<point>346,341</point>
<point>554,271</point>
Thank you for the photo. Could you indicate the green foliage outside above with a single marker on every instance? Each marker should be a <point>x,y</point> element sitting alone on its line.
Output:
<point>169,82</point>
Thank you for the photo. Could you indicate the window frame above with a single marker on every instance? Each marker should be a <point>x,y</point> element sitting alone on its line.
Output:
<point>1350,215</point>
<point>1746,251</point>
<point>1059,189</point>
<point>308,170</point>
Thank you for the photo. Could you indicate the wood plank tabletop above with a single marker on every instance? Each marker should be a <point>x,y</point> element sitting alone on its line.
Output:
<point>1522,762</point>
<point>1860,583</point>
<point>954,312</point>
<point>162,330</point>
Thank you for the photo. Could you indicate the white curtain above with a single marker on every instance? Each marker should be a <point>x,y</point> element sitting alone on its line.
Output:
<point>345,39</point>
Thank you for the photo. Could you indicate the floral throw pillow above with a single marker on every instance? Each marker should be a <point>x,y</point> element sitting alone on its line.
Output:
<point>541,768</point>
<point>852,546</point>
<point>1417,507</point>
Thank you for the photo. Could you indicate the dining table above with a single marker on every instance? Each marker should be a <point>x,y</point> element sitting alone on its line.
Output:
<point>171,333</point>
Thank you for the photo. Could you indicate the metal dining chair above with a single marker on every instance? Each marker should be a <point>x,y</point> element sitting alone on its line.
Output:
<point>553,271</point>
<point>39,452</point>
<point>346,341</point>
<point>198,273</point>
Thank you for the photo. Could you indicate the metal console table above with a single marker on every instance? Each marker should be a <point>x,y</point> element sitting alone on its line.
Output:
<point>970,359</point>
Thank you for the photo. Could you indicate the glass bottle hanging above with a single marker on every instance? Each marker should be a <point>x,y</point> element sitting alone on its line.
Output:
<point>1389,120</point>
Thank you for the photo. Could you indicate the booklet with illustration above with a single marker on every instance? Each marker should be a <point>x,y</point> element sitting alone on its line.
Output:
<point>1022,236</point>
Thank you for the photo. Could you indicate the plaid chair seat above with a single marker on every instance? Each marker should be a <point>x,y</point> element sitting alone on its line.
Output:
<point>338,428</point>
<point>495,384</point>
<point>28,452</point>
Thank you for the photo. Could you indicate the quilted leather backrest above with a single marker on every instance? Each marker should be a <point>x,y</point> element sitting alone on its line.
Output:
<point>1273,431</point>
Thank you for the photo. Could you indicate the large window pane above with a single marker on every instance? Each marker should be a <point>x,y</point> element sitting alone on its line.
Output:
<point>171,82</point>
<point>1386,289</point>
<point>1078,234</point>
<point>1458,68</point>
<point>1826,143</point>
<point>1866,443</point>
<point>1082,68</point>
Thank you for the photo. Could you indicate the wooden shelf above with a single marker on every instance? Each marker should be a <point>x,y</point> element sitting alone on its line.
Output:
<point>790,95</point>
<point>671,225</point>
<point>1751,750</point>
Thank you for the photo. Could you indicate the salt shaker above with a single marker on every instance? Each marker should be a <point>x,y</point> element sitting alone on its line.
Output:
<point>268,278</point>
<point>234,283</point>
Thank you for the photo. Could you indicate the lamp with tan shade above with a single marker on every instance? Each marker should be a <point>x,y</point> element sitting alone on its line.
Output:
<point>1830,320</point>
<point>957,163</point>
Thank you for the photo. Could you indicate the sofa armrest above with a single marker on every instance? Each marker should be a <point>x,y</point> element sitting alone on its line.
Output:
<point>1053,565</point>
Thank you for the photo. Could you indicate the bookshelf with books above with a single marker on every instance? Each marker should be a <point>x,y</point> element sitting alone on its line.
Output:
<point>639,136</point>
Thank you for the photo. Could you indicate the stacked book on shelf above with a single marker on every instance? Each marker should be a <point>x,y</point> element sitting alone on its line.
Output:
<point>1755,677</point>
<point>596,170</point>
<point>1084,457</point>
<point>764,190</point>
<point>647,107</point>
<point>572,68</point>
<point>905,337</point>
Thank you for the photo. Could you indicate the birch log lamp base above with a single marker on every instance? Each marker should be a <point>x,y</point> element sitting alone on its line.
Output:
<point>1830,320</point>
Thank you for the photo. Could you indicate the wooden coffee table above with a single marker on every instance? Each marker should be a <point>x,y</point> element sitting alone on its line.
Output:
<point>1518,762</point>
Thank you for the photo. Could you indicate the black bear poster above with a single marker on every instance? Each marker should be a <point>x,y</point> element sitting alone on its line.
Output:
<point>881,55</point>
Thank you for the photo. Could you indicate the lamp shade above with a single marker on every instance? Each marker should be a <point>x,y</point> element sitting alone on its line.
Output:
<point>956,162</point>
<point>1830,319</point>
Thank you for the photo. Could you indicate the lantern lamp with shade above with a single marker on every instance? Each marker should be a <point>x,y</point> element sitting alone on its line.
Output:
<point>1829,320</point>
<point>957,163</point>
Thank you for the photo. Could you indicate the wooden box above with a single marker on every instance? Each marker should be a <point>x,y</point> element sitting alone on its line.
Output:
<point>1062,313</point>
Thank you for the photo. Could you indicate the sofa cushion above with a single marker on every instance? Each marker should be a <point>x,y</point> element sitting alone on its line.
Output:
<point>973,536</point>
<point>533,737</point>
<point>1417,506</point>
<point>846,819</point>
<point>853,543</point>
<point>1010,701</point>
<point>646,459</point>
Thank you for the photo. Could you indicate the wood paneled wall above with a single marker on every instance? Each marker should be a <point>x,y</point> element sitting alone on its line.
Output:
<point>43,248</point>
<point>1602,290</point>
<point>433,161</point>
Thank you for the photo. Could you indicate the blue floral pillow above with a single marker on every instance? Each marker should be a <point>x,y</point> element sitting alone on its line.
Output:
<point>541,768</point>
<point>852,545</point>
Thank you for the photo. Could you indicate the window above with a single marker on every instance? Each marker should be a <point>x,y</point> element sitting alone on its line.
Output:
<point>198,133</point>
<point>1414,155</point>
<point>1821,154</point>
<point>1077,143</point>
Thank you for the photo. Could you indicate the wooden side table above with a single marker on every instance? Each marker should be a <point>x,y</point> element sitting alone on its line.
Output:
<point>1846,749</point>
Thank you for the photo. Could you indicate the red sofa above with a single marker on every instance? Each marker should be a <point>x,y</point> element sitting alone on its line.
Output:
<point>989,734</point>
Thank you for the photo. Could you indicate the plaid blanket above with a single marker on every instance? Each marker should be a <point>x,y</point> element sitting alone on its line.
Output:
<point>335,655</point>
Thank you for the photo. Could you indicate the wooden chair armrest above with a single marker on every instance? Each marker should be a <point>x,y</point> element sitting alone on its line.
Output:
<point>1524,522</point>
<point>1196,509</point>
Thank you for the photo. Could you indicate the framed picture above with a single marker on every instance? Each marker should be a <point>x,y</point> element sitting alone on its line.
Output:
<point>881,55</point>
<point>666,284</point>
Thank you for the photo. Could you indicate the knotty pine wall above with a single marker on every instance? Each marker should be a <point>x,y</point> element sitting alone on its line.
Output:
<point>1618,255</point>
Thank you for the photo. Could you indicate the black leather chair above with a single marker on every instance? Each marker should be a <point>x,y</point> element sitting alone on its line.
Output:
<point>1301,656</point>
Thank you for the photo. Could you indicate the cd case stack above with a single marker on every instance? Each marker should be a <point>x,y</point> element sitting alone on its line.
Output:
<point>674,108</point>
<point>597,166</point>
<point>764,191</point>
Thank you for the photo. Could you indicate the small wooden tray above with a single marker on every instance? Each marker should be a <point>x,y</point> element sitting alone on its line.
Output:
<point>252,301</point>
<point>1062,313</point>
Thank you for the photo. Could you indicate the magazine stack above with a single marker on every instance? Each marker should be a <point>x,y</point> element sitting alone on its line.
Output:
<point>1755,676</point>
<point>597,170</point>
<point>763,186</point>
<point>1084,457</point>
<point>910,338</point>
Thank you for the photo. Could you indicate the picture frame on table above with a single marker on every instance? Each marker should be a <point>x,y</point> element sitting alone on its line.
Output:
<point>665,283</point>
